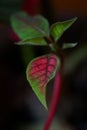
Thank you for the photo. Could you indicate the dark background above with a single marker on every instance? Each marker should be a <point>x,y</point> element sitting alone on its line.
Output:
<point>18,105</point>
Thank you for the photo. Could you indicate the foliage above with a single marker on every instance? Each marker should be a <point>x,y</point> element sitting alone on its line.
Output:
<point>36,31</point>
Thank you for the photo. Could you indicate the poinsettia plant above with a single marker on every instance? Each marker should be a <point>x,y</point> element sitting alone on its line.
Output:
<point>36,31</point>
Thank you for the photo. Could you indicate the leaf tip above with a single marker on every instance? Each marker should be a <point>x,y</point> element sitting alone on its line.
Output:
<point>69,45</point>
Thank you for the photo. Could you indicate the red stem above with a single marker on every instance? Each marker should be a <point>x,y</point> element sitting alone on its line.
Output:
<point>54,102</point>
<point>31,6</point>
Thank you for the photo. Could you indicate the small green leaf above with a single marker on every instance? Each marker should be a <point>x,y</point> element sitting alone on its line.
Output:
<point>69,45</point>
<point>34,41</point>
<point>57,29</point>
<point>39,72</point>
<point>28,27</point>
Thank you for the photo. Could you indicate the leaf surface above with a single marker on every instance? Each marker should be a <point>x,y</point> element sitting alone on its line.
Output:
<point>69,45</point>
<point>28,27</point>
<point>39,72</point>
<point>34,41</point>
<point>58,28</point>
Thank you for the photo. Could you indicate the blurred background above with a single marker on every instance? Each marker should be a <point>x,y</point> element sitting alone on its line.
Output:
<point>19,107</point>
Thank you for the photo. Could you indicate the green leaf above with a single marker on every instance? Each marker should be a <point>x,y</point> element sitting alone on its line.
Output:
<point>28,27</point>
<point>69,45</point>
<point>57,29</point>
<point>39,72</point>
<point>34,41</point>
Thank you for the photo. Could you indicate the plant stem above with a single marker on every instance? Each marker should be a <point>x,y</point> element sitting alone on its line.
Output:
<point>54,102</point>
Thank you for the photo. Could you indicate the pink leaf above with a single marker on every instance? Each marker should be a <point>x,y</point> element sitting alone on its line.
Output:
<point>39,72</point>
